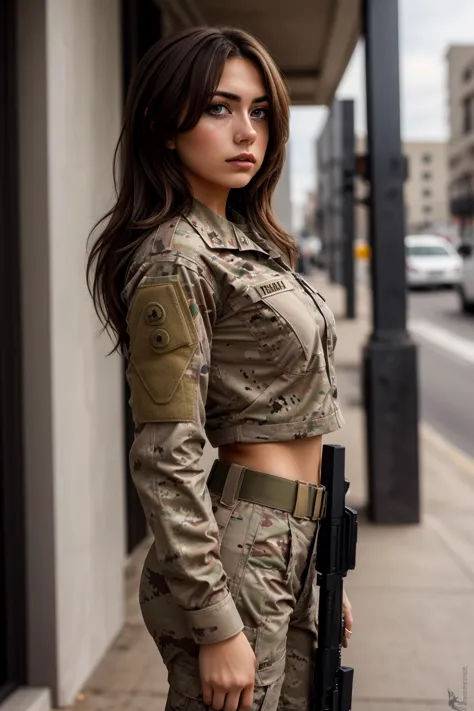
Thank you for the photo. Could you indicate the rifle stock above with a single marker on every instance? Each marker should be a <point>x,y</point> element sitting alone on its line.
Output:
<point>335,555</point>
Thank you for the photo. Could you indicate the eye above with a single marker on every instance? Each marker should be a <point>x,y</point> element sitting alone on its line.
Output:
<point>217,110</point>
<point>262,113</point>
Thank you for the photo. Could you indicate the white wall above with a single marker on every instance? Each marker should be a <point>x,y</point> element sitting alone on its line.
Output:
<point>70,108</point>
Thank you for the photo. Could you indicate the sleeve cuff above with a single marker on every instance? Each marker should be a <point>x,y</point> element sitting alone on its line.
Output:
<point>215,623</point>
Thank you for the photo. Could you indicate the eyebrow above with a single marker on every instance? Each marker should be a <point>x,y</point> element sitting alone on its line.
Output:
<point>236,97</point>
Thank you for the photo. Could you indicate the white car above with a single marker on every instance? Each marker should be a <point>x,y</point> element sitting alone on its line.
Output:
<point>431,261</point>
<point>466,285</point>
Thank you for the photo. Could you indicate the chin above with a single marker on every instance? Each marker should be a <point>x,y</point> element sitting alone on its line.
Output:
<point>238,181</point>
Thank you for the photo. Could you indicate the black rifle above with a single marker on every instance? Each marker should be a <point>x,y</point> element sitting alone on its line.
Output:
<point>335,555</point>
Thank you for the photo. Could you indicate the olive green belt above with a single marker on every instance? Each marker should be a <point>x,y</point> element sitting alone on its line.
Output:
<point>299,498</point>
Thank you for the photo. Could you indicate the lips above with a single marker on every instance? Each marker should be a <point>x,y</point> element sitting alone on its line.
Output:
<point>242,158</point>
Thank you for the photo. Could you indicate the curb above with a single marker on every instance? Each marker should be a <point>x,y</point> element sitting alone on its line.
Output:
<point>463,460</point>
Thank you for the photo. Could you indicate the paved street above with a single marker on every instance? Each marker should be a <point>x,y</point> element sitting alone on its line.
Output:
<point>446,364</point>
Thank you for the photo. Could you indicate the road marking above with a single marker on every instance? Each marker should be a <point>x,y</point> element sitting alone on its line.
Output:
<point>456,455</point>
<point>441,337</point>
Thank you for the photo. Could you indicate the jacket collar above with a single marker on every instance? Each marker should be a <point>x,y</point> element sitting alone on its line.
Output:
<point>221,233</point>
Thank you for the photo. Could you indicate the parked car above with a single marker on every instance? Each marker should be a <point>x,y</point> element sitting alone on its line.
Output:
<point>431,261</point>
<point>466,284</point>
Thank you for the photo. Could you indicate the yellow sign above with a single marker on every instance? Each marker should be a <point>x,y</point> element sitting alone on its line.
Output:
<point>363,251</point>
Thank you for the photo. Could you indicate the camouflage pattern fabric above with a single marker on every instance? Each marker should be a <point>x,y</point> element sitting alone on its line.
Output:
<point>226,341</point>
<point>268,556</point>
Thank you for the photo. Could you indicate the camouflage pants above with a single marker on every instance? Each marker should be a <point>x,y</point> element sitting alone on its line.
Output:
<point>269,558</point>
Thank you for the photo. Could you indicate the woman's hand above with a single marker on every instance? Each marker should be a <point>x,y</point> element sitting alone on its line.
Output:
<point>348,619</point>
<point>227,671</point>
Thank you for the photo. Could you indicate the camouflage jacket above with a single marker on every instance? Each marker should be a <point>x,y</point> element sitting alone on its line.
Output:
<point>226,341</point>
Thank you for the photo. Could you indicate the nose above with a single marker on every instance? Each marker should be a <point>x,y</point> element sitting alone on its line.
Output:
<point>245,132</point>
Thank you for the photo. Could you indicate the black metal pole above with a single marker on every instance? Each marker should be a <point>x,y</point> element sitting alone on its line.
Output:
<point>390,359</point>
<point>336,190</point>
<point>332,190</point>
<point>13,580</point>
<point>348,218</point>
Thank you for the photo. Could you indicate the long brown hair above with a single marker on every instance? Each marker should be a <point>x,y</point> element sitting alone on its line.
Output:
<point>170,91</point>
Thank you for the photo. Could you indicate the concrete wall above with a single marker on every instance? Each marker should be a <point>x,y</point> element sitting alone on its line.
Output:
<point>70,107</point>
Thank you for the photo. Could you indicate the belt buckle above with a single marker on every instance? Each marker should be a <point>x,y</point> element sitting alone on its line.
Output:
<point>301,506</point>
<point>320,503</point>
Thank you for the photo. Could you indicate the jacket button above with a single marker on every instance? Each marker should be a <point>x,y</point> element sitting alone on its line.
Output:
<point>159,338</point>
<point>154,314</point>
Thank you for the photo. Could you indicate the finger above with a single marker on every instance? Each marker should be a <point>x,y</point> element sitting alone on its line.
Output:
<point>206,693</point>
<point>232,701</point>
<point>348,619</point>
<point>347,636</point>
<point>246,698</point>
<point>218,700</point>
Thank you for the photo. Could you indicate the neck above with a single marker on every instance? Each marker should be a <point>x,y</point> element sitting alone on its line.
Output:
<point>215,200</point>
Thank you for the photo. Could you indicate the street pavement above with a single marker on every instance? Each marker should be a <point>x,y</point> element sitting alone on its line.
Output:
<point>412,590</point>
<point>446,364</point>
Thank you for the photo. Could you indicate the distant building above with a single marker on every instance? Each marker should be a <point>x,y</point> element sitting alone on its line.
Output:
<point>460,61</point>
<point>426,188</point>
<point>281,199</point>
<point>309,212</point>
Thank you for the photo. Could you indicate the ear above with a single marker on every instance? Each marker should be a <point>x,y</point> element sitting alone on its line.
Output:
<point>170,144</point>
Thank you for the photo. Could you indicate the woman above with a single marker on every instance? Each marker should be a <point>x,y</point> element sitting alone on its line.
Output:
<point>194,276</point>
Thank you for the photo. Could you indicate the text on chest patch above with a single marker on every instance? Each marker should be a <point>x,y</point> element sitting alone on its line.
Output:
<point>275,286</point>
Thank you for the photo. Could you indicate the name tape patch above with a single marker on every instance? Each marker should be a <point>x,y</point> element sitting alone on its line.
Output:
<point>274,286</point>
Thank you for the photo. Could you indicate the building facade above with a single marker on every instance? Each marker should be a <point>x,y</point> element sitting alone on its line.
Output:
<point>460,73</point>
<point>425,189</point>
<point>65,75</point>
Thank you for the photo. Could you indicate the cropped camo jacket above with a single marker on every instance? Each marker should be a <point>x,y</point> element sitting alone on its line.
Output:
<point>226,341</point>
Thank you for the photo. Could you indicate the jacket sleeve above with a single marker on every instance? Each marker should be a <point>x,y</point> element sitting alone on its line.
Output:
<point>170,319</point>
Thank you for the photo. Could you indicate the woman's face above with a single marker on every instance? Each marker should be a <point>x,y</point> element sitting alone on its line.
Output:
<point>227,146</point>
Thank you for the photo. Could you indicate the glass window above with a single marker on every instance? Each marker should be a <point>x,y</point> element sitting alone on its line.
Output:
<point>426,158</point>
<point>427,250</point>
<point>427,193</point>
<point>427,175</point>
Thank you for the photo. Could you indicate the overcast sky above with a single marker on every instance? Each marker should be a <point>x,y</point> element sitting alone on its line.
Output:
<point>427,28</point>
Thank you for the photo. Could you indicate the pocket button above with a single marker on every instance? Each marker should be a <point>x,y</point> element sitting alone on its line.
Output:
<point>154,314</point>
<point>159,338</point>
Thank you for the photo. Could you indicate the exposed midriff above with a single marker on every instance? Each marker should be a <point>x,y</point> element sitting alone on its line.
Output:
<point>298,459</point>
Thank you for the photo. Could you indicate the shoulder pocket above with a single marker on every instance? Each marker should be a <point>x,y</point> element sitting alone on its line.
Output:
<point>163,339</point>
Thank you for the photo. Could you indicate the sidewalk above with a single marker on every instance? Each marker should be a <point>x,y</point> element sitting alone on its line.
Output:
<point>413,587</point>
<point>412,590</point>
